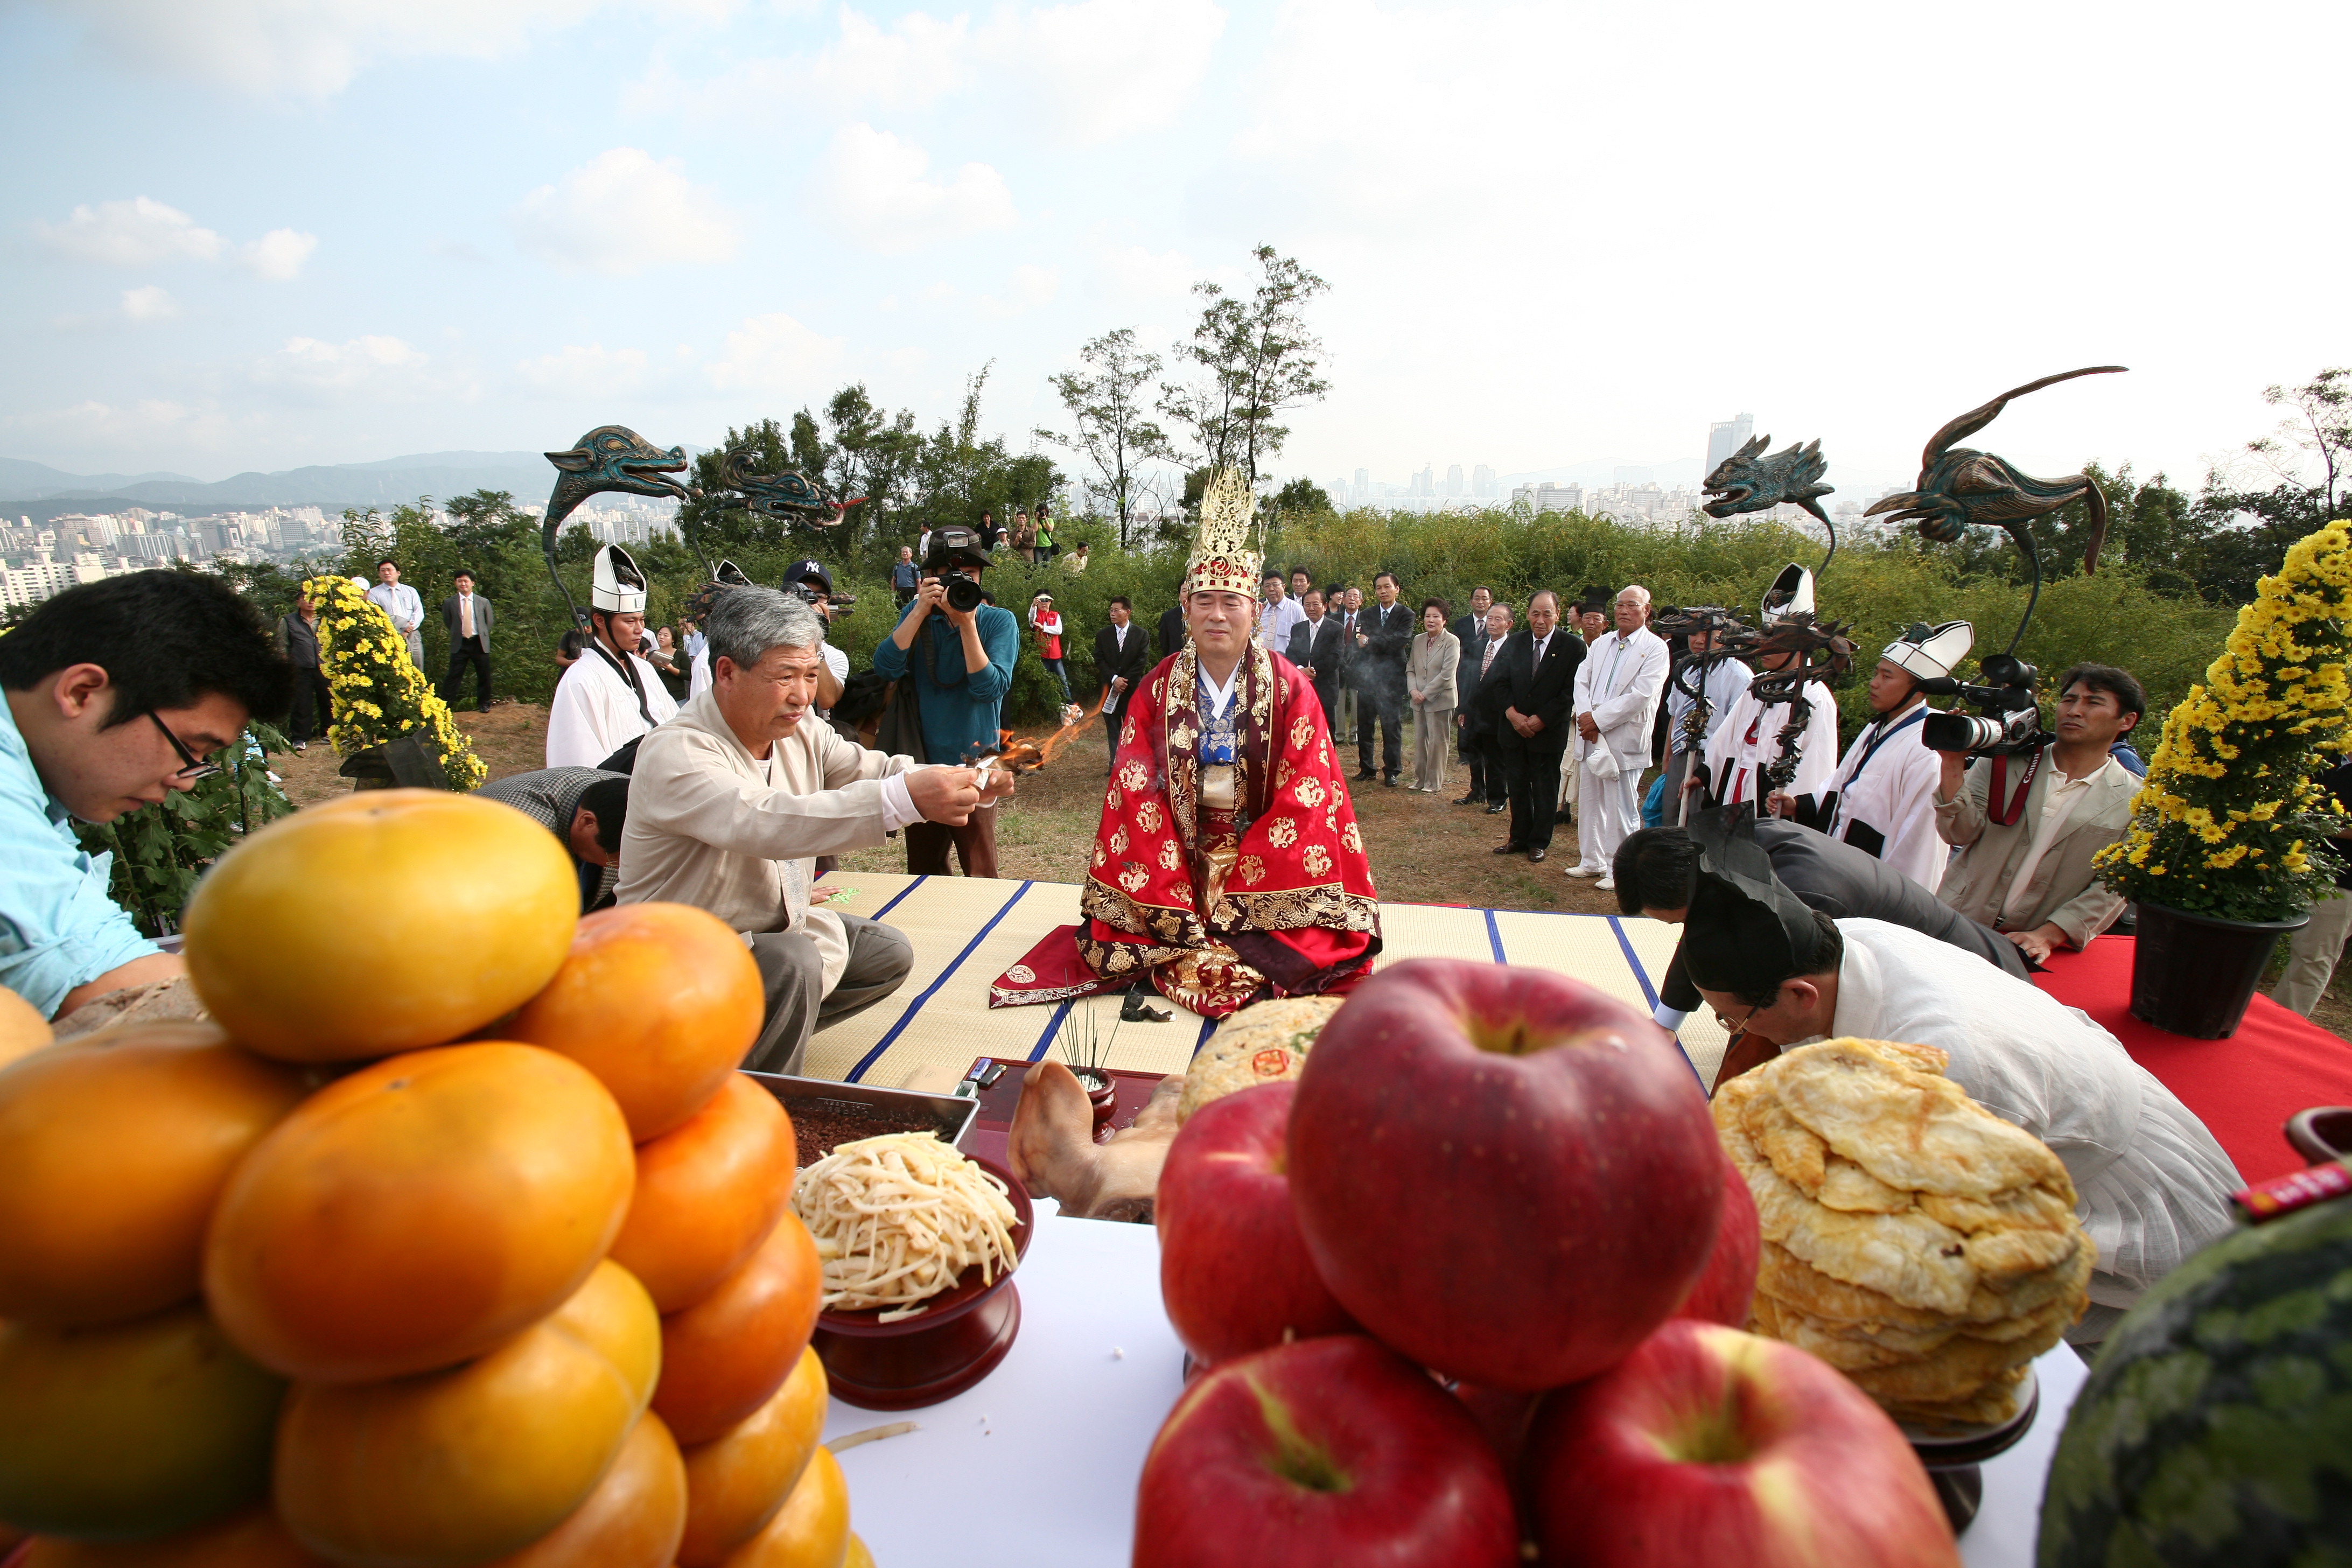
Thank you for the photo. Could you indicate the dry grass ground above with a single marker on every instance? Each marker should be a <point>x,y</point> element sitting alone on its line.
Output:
<point>1424,848</point>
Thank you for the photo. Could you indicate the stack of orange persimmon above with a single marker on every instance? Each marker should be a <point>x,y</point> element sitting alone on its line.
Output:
<point>454,1238</point>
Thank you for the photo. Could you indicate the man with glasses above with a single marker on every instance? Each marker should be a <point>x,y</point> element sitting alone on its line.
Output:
<point>119,691</point>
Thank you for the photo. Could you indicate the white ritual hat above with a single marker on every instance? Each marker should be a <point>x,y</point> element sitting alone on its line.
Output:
<point>1791,594</point>
<point>1931,652</point>
<point>618,587</point>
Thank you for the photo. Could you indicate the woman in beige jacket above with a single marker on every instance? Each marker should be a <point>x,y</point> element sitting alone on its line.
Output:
<point>1429,680</point>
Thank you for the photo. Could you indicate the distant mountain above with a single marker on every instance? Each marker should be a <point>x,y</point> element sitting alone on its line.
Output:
<point>384,483</point>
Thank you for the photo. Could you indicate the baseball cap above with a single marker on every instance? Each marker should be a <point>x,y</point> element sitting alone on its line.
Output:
<point>807,571</point>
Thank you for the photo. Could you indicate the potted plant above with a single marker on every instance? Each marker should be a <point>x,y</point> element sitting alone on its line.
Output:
<point>390,727</point>
<point>2219,854</point>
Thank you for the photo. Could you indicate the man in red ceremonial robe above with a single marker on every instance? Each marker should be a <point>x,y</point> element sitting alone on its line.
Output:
<point>1228,866</point>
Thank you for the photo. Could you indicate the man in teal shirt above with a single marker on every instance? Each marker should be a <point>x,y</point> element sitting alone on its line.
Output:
<point>117,691</point>
<point>962,667</point>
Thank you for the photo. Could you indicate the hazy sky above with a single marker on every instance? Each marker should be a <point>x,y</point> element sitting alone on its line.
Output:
<point>262,233</point>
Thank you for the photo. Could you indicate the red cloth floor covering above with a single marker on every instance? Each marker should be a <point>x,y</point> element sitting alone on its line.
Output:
<point>2244,1087</point>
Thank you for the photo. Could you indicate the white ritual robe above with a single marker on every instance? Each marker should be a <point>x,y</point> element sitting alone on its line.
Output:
<point>2151,1184</point>
<point>595,713</point>
<point>1891,793</point>
<point>1749,737</point>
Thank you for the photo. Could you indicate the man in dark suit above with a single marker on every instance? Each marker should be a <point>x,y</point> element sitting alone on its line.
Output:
<point>467,615</point>
<point>1172,631</point>
<point>1538,670</point>
<point>1122,658</point>
<point>1465,628</point>
<point>1653,870</point>
<point>1382,631</point>
<point>1477,718</point>
<point>1315,644</point>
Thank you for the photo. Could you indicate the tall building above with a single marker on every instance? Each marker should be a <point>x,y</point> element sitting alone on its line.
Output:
<point>1453,479</point>
<point>1425,483</point>
<point>1362,489</point>
<point>1726,437</point>
<point>1482,483</point>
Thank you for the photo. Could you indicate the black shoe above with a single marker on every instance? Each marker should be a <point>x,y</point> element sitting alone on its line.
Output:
<point>1536,857</point>
<point>1367,776</point>
<point>1510,850</point>
<point>1496,807</point>
<point>1472,800</point>
<point>1389,781</point>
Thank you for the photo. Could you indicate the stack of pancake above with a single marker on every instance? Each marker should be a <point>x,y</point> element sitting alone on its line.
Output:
<point>1912,1239</point>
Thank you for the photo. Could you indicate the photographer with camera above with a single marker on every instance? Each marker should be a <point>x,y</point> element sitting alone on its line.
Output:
<point>958,653</point>
<point>1881,798</point>
<point>2027,809</point>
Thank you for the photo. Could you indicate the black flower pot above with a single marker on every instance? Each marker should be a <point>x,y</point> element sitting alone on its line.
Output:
<point>2194,975</point>
<point>407,762</point>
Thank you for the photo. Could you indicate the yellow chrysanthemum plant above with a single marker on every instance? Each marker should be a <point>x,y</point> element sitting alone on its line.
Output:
<point>378,694</point>
<point>2231,810</point>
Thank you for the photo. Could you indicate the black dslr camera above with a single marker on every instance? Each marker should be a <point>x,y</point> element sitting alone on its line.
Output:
<point>963,592</point>
<point>2007,721</point>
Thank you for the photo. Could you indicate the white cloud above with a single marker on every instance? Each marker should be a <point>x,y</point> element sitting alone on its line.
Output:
<point>312,48</point>
<point>1093,70</point>
<point>148,304</point>
<point>876,184</point>
<point>279,255</point>
<point>590,370</point>
<point>774,353</point>
<point>136,233</point>
<point>623,211</point>
<point>1134,270</point>
<point>368,368</point>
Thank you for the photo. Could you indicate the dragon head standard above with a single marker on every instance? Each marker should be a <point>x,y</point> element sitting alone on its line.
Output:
<point>790,495</point>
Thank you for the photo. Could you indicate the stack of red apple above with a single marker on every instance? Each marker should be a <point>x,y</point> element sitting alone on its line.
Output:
<point>1477,1277</point>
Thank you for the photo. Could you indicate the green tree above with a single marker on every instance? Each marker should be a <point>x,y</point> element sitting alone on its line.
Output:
<point>1107,411</point>
<point>2310,458</point>
<point>1301,498</point>
<point>1259,359</point>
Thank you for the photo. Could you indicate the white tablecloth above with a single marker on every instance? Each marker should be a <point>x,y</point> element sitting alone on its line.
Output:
<point>1037,1465</point>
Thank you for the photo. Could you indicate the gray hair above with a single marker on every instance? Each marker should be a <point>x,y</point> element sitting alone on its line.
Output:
<point>1641,596</point>
<point>747,622</point>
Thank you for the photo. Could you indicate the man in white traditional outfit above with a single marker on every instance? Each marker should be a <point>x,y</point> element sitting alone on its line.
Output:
<point>1721,682</point>
<point>610,696</point>
<point>1749,737</point>
<point>1884,791</point>
<point>733,800</point>
<point>1618,688</point>
<point>2151,1184</point>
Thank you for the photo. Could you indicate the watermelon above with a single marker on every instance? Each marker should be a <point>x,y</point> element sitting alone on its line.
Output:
<point>2216,1427</point>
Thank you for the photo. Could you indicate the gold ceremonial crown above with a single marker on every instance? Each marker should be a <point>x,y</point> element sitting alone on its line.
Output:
<point>1224,559</point>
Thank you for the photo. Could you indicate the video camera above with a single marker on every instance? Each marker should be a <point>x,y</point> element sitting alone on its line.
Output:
<point>2007,721</point>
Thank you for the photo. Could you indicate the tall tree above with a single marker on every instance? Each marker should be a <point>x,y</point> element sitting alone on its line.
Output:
<point>2252,528</point>
<point>1259,359</point>
<point>1107,411</point>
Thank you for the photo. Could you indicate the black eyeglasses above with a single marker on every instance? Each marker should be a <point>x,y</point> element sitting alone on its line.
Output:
<point>197,767</point>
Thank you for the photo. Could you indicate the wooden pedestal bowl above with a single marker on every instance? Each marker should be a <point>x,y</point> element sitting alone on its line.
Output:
<point>949,1348</point>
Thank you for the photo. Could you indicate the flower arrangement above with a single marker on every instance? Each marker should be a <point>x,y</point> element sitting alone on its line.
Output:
<point>2232,805</point>
<point>378,694</point>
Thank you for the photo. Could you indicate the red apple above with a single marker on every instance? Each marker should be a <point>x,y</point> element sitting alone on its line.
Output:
<point>1502,1173</point>
<point>1727,1288</point>
<point>1233,1274</point>
<point>1709,1446</point>
<point>1327,1451</point>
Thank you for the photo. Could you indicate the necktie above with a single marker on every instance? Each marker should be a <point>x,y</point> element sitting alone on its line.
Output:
<point>465,616</point>
<point>1488,662</point>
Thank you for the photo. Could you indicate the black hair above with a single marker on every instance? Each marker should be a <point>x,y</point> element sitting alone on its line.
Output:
<point>166,639</point>
<point>1122,600</point>
<point>388,560</point>
<point>1481,588</point>
<point>463,572</point>
<point>607,800</point>
<point>1653,869</point>
<point>2118,684</point>
<point>1440,606</point>
<point>1829,952</point>
<point>1390,575</point>
<point>1271,575</point>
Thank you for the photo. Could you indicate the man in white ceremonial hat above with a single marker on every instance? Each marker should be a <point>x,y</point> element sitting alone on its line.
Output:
<point>1884,792</point>
<point>610,696</point>
<point>1748,740</point>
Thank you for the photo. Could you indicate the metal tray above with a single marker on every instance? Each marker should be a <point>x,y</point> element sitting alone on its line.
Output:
<point>892,1110</point>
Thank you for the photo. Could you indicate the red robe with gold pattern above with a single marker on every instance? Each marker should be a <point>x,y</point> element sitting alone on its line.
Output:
<point>1219,905</point>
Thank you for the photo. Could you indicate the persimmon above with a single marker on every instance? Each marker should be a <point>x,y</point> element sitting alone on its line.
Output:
<point>116,1148</point>
<point>24,1029</point>
<point>708,1194</point>
<point>857,1556</point>
<point>659,1001</point>
<point>419,1212</point>
<point>631,1519</point>
<point>131,1429</point>
<point>381,923</point>
<point>253,1539</point>
<point>466,1465</point>
<point>737,1481</point>
<point>723,1357</point>
<point>810,1530</point>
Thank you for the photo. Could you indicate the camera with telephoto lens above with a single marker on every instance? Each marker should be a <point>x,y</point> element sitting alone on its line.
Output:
<point>834,605</point>
<point>2007,721</point>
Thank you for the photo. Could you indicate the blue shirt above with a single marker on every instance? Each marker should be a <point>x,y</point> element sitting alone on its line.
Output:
<point>961,713</point>
<point>905,575</point>
<point>59,926</point>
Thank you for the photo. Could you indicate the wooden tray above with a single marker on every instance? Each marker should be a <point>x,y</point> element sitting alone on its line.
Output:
<point>984,1139</point>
